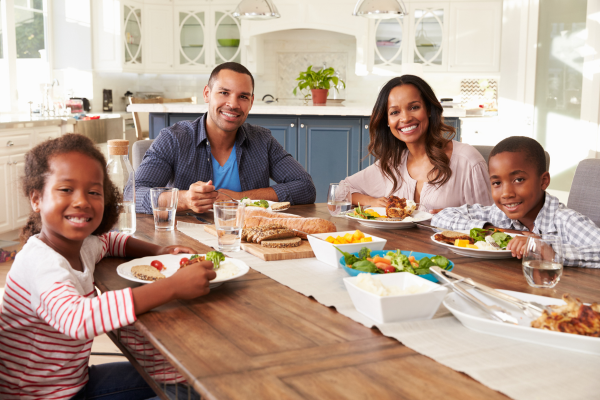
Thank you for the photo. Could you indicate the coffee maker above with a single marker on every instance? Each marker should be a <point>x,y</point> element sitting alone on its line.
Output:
<point>107,102</point>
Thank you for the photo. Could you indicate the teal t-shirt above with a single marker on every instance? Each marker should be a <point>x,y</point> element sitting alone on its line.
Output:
<point>228,175</point>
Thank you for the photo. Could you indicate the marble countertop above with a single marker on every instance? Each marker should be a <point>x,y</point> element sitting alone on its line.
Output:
<point>19,121</point>
<point>281,108</point>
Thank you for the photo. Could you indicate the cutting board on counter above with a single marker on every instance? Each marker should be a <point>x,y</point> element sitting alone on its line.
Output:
<point>268,254</point>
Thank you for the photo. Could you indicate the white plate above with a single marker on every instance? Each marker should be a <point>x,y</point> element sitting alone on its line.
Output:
<point>417,216</point>
<point>476,253</point>
<point>171,263</point>
<point>270,209</point>
<point>471,317</point>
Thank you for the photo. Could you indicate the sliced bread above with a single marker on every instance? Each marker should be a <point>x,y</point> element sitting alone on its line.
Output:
<point>146,273</point>
<point>274,234</point>
<point>282,243</point>
<point>284,205</point>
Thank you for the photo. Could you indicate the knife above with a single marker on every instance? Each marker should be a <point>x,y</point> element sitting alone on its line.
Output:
<point>495,312</point>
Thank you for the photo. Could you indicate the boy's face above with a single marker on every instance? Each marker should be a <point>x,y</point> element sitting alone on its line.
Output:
<point>517,187</point>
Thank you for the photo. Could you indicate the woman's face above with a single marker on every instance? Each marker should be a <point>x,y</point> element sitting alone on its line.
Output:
<point>407,115</point>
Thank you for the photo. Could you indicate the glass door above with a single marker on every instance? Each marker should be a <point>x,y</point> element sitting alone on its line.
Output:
<point>192,34</point>
<point>429,36</point>
<point>132,18</point>
<point>227,38</point>
<point>388,42</point>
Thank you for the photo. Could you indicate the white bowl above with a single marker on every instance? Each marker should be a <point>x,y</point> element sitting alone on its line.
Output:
<point>410,307</point>
<point>325,252</point>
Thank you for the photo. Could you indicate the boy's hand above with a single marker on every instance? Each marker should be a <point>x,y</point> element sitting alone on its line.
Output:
<point>192,281</point>
<point>175,249</point>
<point>517,244</point>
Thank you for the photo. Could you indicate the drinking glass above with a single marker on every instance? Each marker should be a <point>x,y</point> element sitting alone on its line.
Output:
<point>543,261</point>
<point>229,221</point>
<point>164,207</point>
<point>338,199</point>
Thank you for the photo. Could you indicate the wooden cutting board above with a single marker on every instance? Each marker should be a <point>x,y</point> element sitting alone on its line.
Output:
<point>268,254</point>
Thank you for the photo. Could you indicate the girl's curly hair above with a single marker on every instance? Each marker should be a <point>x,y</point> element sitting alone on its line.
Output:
<point>37,169</point>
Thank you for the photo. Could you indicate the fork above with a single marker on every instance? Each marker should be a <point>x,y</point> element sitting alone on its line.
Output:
<point>216,191</point>
<point>490,240</point>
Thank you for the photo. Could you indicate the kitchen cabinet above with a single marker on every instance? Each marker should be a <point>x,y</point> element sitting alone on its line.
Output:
<point>21,207</point>
<point>158,37</point>
<point>428,41</point>
<point>191,38</point>
<point>283,128</point>
<point>5,195</point>
<point>132,36</point>
<point>481,131</point>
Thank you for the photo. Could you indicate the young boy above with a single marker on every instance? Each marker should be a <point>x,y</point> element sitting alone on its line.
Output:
<point>519,181</point>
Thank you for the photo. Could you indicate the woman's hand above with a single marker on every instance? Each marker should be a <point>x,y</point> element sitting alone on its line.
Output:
<point>435,210</point>
<point>365,200</point>
<point>175,249</point>
<point>193,281</point>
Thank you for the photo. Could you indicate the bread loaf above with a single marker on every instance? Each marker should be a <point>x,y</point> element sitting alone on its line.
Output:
<point>308,225</point>
<point>282,243</point>
<point>261,212</point>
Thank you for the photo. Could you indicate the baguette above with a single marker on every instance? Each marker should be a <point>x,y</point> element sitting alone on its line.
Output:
<point>308,225</point>
<point>261,212</point>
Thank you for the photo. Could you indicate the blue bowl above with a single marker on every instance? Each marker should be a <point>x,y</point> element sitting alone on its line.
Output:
<point>381,253</point>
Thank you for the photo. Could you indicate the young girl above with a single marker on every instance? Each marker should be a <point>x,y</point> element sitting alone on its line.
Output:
<point>50,312</point>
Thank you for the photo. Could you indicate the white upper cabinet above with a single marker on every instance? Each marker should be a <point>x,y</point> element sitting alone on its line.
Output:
<point>475,35</point>
<point>191,34</point>
<point>132,36</point>
<point>158,37</point>
<point>227,36</point>
<point>428,41</point>
<point>388,38</point>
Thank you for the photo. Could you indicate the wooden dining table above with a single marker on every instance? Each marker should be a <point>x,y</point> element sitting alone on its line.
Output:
<point>254,338</point>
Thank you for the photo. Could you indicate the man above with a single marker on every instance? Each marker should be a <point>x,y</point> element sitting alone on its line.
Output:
<point>219,151</point>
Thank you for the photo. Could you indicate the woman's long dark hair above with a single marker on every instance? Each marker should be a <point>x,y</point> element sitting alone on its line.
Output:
<point>385,147</point>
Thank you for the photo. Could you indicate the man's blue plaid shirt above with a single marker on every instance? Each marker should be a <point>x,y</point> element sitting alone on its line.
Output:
<point>181,155</point>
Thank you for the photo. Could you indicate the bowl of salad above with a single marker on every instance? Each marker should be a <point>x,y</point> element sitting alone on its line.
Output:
<point>379,262</point>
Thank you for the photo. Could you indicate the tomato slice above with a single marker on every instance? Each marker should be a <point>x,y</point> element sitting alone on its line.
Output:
<point>158,265</point>
<point>183,262</point>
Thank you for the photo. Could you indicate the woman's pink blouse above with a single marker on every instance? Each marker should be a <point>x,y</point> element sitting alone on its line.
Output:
<point>469,183</point>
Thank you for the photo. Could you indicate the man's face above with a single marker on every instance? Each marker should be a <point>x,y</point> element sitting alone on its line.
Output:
<point>517,187</point>
<point>229,100</point>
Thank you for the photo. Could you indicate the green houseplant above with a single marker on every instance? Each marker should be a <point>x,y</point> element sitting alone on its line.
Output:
<point>319,83</point>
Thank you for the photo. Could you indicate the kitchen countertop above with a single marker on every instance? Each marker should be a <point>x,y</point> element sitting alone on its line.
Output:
<point>20,121</point>
<point>281,108</point>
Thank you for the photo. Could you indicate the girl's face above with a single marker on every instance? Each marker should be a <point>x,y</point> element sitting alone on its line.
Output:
<point>72,203</point>
<point>407,114</point>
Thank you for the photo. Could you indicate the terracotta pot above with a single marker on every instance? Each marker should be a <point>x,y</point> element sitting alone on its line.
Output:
<point>319,96</point>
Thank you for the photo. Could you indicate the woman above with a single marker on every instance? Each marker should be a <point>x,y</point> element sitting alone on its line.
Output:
<point>416,156</point>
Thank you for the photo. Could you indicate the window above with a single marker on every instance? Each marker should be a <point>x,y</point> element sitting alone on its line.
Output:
<point>30,29</point>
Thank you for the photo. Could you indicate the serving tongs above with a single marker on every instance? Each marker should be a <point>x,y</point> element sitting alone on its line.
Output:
<point>529,308</point>
<point>495,312</point>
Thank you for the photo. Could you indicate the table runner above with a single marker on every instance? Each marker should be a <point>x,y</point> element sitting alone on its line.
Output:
<point>518,369</point>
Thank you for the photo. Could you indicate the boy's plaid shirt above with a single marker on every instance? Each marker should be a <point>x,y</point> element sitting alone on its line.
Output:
<point>579,234</point>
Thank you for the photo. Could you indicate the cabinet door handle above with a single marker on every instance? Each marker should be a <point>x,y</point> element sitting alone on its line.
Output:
<point>301,125</point>
<point>10,143</point>
<point>291,125</point>
<point>366,126</point>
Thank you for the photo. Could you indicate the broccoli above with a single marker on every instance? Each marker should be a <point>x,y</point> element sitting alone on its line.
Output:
<point>262,203</point>
<point>364,253</point>
<point>194,256</point>
<point>216,257</point>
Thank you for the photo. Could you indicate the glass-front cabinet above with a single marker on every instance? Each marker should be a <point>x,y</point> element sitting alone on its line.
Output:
<point>227,37</point>
<point>389,42</point>
<point>191,38</point>
<point>132,34</point>
<point>429,35</point>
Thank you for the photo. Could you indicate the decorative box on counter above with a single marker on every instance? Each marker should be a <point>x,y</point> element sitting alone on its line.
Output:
<point>6,255</point>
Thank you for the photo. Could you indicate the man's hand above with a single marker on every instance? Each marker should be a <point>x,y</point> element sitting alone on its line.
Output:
<point>199,198</point>
<point>222,197</point>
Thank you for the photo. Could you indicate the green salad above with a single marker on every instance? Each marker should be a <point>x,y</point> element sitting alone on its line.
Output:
<point>500,238</point>
<point>393,261</point>
<point>216,257</point>
<point>257,203</point>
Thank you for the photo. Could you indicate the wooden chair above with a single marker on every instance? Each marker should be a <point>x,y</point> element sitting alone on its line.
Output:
<point>141,120</point>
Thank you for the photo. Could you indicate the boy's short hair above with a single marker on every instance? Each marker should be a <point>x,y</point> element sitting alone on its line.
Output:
<point>232,66</point>
<point>533,151</point>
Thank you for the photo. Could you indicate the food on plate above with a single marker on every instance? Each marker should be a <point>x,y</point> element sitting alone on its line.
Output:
<point>146,273</point>
<point>501,238</point>
<point>257,203</point>
<point>399,208</point>
<point>573,317</point>
<point>261,212</point>
<point>308,225</point>
<point>227,270</point>
<point>392,262</point>
<point>284,205</point>
<point>158,265</point>
<point>349,238</point>
<point>368,283</point>
<point>282,243</point>
<point>216,257</point>
<point>184,262</point>
<point>451,237</point>
<point>358,212</point>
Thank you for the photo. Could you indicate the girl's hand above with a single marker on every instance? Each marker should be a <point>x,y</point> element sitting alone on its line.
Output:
<point>175,249</point>
<point>192,281</point>
<point>517,244</point>
<point>435,210</point>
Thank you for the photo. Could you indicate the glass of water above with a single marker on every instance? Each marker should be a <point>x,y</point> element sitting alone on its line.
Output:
<point>229,221</point>
<point>543,261</point>
<point>164,207</point>
<point>338,199</point>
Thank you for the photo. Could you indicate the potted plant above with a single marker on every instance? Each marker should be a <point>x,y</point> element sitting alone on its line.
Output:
<point>319,83</point>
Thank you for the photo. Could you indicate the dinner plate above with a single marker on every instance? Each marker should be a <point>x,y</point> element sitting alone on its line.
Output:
<point>417,216</point>
<point>418,256</point>
<point>270,209</point>
<point>476,253</point>
<point>171,263</point>
<point>471,317</point>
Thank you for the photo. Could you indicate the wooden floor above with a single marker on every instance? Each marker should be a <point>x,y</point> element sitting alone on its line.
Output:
<point>102,344</point>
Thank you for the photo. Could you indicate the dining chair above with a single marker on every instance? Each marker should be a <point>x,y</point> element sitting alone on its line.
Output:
<point>486,150</point>
<point>141,120</point>
<point>585,190</point>
<point>138,150</point>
